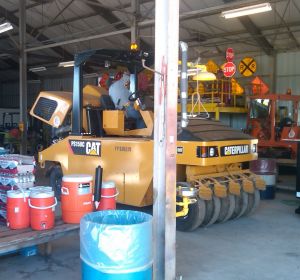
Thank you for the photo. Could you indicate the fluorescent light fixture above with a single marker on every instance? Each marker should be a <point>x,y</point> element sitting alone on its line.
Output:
<point>38,69</point>
<point>249,10</point>
<point>91,75</point>
<point>4,55</point>
<point>203,75</point>
<point>5,27</point>
<point>200,73</point>
<point>66,64</point>
<point>34,81</point>
<point>190,72</point>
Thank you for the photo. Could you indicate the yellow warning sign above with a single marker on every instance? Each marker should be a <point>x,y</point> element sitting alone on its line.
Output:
<point>236,87</point>
<point>211,66</point>
<point>247,66</point>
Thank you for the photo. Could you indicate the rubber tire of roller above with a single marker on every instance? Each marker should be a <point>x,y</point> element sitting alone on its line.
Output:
<point>253,202</point>
<point>245,198</point>
<point>230,209</point>
<point>209,211</point>
<point>216,211</point>
<point>238,206</point>
<point>227,208</point>
<point>241,204</point>
<point>194,218</point>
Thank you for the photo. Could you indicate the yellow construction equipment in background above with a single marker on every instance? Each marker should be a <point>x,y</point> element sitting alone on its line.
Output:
<point>212,185</point>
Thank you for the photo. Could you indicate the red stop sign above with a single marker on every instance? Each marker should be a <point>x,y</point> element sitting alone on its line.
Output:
<point>229,54</point>
<point>229,69</point>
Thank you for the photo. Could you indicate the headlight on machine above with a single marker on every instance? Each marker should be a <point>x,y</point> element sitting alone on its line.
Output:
<point>207,152</point>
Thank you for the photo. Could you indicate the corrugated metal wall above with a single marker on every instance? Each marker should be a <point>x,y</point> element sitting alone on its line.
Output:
<point>288,72</point>
<point>9,92</point>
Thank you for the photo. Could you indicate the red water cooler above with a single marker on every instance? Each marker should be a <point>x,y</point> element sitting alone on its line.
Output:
<point>18,209</point>
<point>76,197</point>
<point>42,204</point>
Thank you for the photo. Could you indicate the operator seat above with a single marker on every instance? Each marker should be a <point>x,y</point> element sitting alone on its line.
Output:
<point>107,103</point>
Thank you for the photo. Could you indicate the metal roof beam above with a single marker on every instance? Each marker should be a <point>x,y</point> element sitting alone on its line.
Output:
<point>69,20</point>
<point>53,19</point>
<point>30,6</point>
<point>148,23</point>
<point>291,34</point>
<point>107,14</point>
<point>257,35</point>
<point>255,32</point>
<point>29,29</point>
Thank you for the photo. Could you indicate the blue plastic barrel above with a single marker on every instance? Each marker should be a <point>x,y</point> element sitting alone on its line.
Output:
<point>116,245</point>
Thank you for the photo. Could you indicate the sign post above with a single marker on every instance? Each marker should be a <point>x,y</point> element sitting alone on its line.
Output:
<point>229,67</point>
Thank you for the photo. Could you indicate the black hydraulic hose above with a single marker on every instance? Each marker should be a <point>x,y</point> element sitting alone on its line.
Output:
<point>98,183</point>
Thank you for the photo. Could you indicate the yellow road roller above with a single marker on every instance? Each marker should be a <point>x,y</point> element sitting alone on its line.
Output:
<point>212,186</point>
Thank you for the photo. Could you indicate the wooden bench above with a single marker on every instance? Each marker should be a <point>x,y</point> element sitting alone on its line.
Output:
<point>13,240</point>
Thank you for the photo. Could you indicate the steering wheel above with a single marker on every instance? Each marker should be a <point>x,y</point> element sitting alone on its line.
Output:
<point>134,96</point>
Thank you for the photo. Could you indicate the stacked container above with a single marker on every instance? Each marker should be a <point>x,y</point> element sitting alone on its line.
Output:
<point>16,172</point>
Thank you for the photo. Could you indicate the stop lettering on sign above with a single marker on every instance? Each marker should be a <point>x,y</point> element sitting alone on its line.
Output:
<point>229,69</point>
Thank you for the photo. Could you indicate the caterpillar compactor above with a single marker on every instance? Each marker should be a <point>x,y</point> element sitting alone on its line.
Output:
<point>212,185</point>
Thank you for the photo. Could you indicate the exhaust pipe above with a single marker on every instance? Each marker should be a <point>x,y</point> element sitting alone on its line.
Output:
<point>184,83</point>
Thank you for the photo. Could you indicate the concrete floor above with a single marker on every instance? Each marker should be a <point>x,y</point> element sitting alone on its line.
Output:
<point>261,247</point>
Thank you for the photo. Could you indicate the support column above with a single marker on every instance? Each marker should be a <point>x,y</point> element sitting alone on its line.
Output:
<point>273,75</point>
<point>135,6</point>
<point>23,76</point>
<point>297,210</point>
<point>298,172</point>
<point>165,137</point>
<point>77,98</point>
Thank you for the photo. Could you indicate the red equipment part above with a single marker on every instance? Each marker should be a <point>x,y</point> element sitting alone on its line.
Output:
<point>108,196</point>
<point>262,123</point>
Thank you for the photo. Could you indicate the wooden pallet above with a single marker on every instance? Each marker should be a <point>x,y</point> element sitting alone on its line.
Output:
<point>12,240</point>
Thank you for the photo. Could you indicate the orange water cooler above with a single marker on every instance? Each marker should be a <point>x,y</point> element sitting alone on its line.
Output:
<point>18,209</point>
<point>76,197</point>
<point>42,204</point>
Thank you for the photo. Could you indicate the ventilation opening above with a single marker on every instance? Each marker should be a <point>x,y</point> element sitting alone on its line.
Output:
<point>45,108</point>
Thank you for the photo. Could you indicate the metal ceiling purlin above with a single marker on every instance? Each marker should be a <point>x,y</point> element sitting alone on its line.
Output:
<point>69,20</point>
<point>37,3</point>
<point>255,32</point>
<point>257,35</point>
<point>53,19</point>
<point>107,14</point>
<point>29,29</point>
<point>147,23</point>
<point>291,34</point>
<point>200,36</point>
